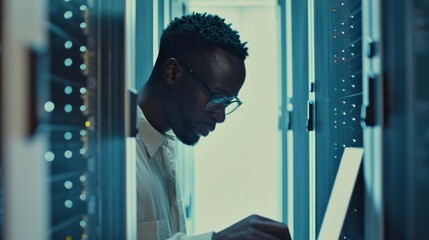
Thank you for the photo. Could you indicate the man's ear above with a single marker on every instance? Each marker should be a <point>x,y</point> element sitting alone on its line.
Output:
<point>171,71</point>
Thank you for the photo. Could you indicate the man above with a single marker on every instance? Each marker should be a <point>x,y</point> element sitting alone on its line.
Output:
<point>194,84</point>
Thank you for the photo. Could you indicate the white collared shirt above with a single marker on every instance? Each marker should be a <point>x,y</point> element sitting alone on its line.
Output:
<point>160,214</point>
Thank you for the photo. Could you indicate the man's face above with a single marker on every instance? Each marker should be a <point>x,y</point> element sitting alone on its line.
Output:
<point>223,73</point>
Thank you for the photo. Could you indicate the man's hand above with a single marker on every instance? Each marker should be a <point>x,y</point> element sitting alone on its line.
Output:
<point>255,227</point>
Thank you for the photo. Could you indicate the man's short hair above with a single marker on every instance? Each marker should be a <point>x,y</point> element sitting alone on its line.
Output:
<point>198,33</point>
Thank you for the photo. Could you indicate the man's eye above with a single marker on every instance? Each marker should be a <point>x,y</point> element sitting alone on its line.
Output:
<point>218,99</point>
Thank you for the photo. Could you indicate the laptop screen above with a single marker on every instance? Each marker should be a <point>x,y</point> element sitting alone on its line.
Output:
<point>341,194</point>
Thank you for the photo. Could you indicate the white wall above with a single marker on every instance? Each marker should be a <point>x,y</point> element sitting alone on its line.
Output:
<point>238,167</point>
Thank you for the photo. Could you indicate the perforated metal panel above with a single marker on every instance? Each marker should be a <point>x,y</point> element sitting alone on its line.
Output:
<point>69,125</point>
<point>338,91</point>
<point>87,119</point>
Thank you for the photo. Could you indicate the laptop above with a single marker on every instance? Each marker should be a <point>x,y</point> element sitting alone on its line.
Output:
<point>341,194</point>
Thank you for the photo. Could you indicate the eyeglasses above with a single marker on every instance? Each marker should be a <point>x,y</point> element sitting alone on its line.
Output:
<point>217,100</point>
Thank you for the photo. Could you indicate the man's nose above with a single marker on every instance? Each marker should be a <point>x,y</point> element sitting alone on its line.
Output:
<point>219,115</point>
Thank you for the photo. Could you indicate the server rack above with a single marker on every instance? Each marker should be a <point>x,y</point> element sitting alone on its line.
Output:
<point>399,88</point>
<point>65,161</point>
<point>322,109</point>
<point>69,125</point>
<point>88,128</point>
<point>338,101</point>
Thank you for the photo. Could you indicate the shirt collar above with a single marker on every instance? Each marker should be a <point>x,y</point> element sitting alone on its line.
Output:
<point>152,139</point>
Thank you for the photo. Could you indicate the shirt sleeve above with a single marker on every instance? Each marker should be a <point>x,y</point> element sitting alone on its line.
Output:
<point>182,236</point>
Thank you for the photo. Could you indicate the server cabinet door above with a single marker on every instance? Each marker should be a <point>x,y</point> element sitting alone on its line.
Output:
<point>338,99</point>
<point>23,146</point>
<point>404,52</point>
<point>69,127</point>
<point>86,154</point>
